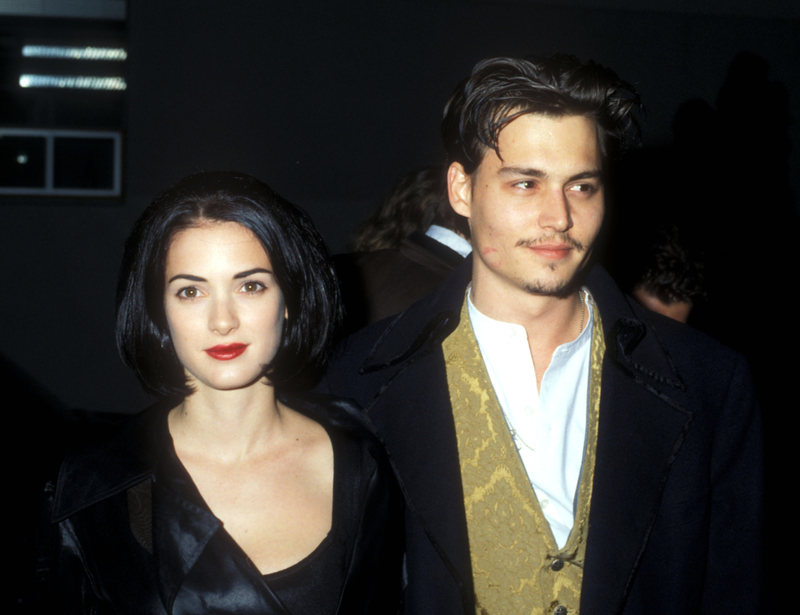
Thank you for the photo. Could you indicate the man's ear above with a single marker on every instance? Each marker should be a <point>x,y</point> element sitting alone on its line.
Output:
<point>459,189</point>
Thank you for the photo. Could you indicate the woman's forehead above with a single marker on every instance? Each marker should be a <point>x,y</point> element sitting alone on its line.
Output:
<point>214,244</point>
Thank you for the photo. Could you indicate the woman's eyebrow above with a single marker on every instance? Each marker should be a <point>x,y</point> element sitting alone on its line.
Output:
<point>249,272</point>
<point>186,276</point>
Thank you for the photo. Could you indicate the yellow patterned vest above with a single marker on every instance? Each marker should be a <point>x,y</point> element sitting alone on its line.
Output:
<point>516,564</point>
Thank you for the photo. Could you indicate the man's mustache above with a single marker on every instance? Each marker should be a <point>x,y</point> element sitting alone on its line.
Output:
<point>562,238</point>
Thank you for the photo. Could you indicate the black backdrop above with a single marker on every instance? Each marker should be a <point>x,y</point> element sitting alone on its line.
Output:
<point>330,103</point>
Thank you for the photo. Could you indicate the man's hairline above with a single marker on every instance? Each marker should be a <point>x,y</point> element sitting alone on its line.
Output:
<point>550,114</point>
<point>543,113</point>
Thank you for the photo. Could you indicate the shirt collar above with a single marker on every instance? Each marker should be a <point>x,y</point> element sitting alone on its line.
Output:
<point>483,323</point>
<point>452,240</point>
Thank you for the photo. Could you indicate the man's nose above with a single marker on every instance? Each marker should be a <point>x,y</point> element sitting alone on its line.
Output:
<point>555,212</point>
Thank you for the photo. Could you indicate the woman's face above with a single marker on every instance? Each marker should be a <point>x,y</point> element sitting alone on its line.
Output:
<point>224,309</point>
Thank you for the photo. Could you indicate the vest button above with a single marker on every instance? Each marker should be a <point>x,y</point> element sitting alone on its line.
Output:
<point>560,610</point>
<point>557,564</point>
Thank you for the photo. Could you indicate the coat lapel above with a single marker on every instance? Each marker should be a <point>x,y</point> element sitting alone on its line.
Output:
<point>199,568</point>
<point>181,532</point>
<point>419,437</point>
<point>643,422</point>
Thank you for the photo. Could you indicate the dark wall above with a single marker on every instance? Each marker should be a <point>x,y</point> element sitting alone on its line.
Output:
<point>330,104</point>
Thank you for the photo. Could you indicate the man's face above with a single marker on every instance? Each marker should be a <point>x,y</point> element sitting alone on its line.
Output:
<point>535,214</point>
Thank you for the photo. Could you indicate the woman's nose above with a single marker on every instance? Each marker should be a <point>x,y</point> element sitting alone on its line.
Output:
<point>223,318</point>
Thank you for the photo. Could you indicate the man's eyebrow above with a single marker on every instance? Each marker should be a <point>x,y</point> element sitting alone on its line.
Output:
<point>250,272</point>
<point>539,174</point>
<point>593,174</point>
<point>522,172</point>
<point>186,276</point>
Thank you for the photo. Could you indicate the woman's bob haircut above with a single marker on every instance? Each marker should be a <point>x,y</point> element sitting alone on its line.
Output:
<point>300,266</point>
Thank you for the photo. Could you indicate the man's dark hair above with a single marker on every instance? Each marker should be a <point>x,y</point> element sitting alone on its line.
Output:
<point>300,265</point>
<point>502,89</point>
<point>410,206</point>
<point>418,200</point>
<point>669,270</point>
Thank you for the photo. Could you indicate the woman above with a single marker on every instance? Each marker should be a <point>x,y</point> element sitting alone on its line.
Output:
<point>236,493</point>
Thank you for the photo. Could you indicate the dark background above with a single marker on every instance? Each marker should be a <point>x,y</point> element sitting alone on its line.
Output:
<point>330,103</point>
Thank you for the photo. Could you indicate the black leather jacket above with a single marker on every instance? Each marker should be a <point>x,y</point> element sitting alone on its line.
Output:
<point>125,530</point>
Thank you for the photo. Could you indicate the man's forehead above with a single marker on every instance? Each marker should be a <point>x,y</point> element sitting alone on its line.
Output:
<point>515,116</point>
<point>584,135</point>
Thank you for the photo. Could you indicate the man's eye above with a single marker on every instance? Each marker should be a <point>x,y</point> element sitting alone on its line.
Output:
<point>583,188</point>
<point>526,184</point>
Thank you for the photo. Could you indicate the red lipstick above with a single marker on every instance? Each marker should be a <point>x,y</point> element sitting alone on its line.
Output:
<point>226,352</point>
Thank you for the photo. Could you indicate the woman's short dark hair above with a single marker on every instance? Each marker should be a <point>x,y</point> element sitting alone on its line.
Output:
<point>499,90</point>
<point>300,266</point>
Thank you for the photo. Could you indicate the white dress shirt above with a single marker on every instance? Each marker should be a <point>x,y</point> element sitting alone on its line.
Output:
<point>549,426</point>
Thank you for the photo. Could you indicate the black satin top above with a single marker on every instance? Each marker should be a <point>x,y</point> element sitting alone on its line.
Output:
<point>124,530</point>
<point>312,585</point>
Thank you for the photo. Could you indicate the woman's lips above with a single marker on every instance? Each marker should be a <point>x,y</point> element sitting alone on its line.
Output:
<point>226,352</point>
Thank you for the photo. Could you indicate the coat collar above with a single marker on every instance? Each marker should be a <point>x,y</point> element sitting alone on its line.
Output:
<point>186,534</point>
<point>431,248</point>
<point>425,324</point>
<point>632,341</point>
<point>643,420</point>
<point>636,347</point>
<point>97,472</point>
<point>142,448</point>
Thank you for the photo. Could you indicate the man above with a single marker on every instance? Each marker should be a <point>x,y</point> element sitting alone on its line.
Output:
<point>560,448</point>
<point>670,279</point>
<point>403,251</point>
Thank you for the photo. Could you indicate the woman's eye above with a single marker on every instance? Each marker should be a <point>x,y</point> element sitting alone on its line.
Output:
<point>190,292</point>
<point>253,287</point>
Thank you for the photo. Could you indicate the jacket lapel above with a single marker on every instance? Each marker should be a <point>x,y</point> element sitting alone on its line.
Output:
<point>643,422</point>
<point>181,532</point>
<point>199,568</point>
<point>412,415</point>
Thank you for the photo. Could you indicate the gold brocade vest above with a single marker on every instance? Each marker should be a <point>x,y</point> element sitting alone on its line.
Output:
<point>516,564</point>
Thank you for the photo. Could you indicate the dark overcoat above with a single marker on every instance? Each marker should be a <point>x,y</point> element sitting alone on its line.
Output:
<point>676,511</point>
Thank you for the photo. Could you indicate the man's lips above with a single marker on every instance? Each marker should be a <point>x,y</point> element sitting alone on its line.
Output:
<point>553,247</point>
<point>226,352</point>
<point>552,251</point>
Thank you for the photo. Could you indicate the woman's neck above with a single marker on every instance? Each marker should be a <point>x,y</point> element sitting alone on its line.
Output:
<point>228,425</point>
